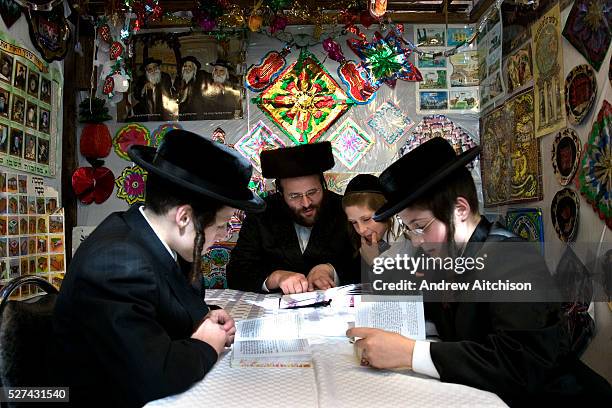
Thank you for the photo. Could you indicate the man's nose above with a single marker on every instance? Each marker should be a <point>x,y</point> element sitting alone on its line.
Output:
<point>306,201</point>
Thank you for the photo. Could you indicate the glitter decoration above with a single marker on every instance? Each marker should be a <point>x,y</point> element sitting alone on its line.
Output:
<point>258,139</point>
<point>350,143</point>
<point>130,134</point>
<point>389,122</point>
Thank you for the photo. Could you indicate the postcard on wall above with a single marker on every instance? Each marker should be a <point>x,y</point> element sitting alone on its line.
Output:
<point>430,36</point>
<point>518,69</point>
<point>185,76</point>
<point>490,63</point>
<point>548,73</point>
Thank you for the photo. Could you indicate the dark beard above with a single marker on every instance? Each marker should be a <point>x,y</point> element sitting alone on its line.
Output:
<point>299,219</point>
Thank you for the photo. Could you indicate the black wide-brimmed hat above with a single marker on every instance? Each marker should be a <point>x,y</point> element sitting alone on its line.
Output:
<point>192,59</point>
<point>417,172</point>
<point>202,166</point>
<point>297,161</point>
<point>363,183</point>
<point>148,61</point>
<point>222,63</point>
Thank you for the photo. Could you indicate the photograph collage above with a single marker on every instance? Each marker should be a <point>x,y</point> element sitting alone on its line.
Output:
<point>31,230</point>
<point>25,115</point>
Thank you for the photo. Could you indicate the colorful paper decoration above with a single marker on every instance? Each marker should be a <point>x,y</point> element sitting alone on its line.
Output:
<point>358,81</point>
<point>527,223</point>
<point>439,126</point>
<point>548,74</point>
<point>95,141</point>
<point>130,134</point>
<point>389,122</point>
<point>350,143</point>
<point>565,212</point>
<point>259,76</point>
<point>131,185</point>
<point>305,100</point>
<point>385,59</point>
<point>510,159</point>
<point>92,184</point>
<point>257,184</point>
<point>160,132</point>
<point>588,29</point>
<point>566,154</point>
<point>580,93</point>
<point>214,262</point>
<point>258,139</point>
<point>595,177</point>
<point>235,222</point>
<point>10,12</point>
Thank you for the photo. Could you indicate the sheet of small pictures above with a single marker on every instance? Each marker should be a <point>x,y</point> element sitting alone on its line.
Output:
<point>450,84</point>
<point>492,87</point>
<point>27,112</point>
<point>31,231</point>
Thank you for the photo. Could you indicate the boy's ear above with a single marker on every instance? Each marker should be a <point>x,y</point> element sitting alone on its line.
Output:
<point>183,215</point>
<point>462,209</point>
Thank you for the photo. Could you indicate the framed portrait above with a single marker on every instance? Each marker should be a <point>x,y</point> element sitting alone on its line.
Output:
<point>33,83</point>
<point>5,97</point>
<point>31,116</point>
<point>4,133</point>
<point>44,121</point>
<point>45,90</point>
<point>30,147</point>
<point>6,67</point>
<point>43,151</point>
<point>16,143</point>
<point>185,76</point>
<point>21,72</point>
<point>18,111</point>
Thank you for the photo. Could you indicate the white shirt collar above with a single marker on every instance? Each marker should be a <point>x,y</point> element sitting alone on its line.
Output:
<point>172,253</point>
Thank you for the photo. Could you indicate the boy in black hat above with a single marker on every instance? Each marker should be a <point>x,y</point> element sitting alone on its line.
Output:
<point>300,243</point>
<point>518,350</point>
<point>131,320</point>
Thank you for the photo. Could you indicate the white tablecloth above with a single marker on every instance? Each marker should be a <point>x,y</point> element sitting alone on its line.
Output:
<point>337,380</point>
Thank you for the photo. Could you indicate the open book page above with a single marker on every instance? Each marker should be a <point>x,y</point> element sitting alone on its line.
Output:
<point>280,326</point>
<point>406,317</point>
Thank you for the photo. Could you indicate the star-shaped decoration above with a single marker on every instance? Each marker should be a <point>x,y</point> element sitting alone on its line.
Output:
<point>386,59</point>
<point>305,100</point>
<point>258,139</point>
<point>350,143</point>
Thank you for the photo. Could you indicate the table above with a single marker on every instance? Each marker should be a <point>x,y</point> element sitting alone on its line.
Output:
<point>336,380</point>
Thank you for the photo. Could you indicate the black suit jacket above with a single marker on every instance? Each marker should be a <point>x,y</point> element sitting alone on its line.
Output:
<point>268,242</point>
<point>518,350</point>
<point>124,317</point>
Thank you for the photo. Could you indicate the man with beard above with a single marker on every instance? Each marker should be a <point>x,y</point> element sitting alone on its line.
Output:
<point>189,86</point>
<point>220,93</point>
<point>300,243</point>
<point>3,103</point>
<point>150,89</point>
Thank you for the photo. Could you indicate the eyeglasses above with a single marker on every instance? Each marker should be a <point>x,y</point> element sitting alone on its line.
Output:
<point>309,194</point>
<point>417,232</point>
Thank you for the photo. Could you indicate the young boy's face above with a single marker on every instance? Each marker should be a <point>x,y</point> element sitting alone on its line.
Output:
<point>424,230</point>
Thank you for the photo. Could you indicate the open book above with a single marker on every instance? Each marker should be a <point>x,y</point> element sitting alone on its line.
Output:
<point>343,294</point>
<point>274,341</point>
<point>404,315</point>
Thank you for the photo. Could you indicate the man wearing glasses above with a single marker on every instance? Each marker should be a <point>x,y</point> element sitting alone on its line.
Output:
<point>300,243</point>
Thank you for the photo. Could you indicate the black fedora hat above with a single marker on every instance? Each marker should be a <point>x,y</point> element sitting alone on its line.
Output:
<point>148,61</point>
<point>417,172</point>
<point>297,161</point>
<point>221,63</point>
<point>202,166</point>
<point>192,59</point>
<point>363,183</point>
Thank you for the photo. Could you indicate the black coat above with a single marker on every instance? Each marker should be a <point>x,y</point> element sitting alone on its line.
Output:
<point>519,350</point>
<point>124,317</point>
<point>268,242</point>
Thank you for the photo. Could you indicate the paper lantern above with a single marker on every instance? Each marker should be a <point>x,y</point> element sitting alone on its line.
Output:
<point>93,184</point>
<point>96,141</point>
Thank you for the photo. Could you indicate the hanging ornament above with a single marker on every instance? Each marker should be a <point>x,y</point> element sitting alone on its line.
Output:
<point>121,82</point>
<point>131,185</point>
<point>259,76</point>
<point>93,184</point>
<point>378,8</point>
<point>116,49</point>
<point>366,19</point>
<point>95,141</point>
<point>109,86</point>
<point>278,24</point>
<point>333,50</point>
<point>104,32</point>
